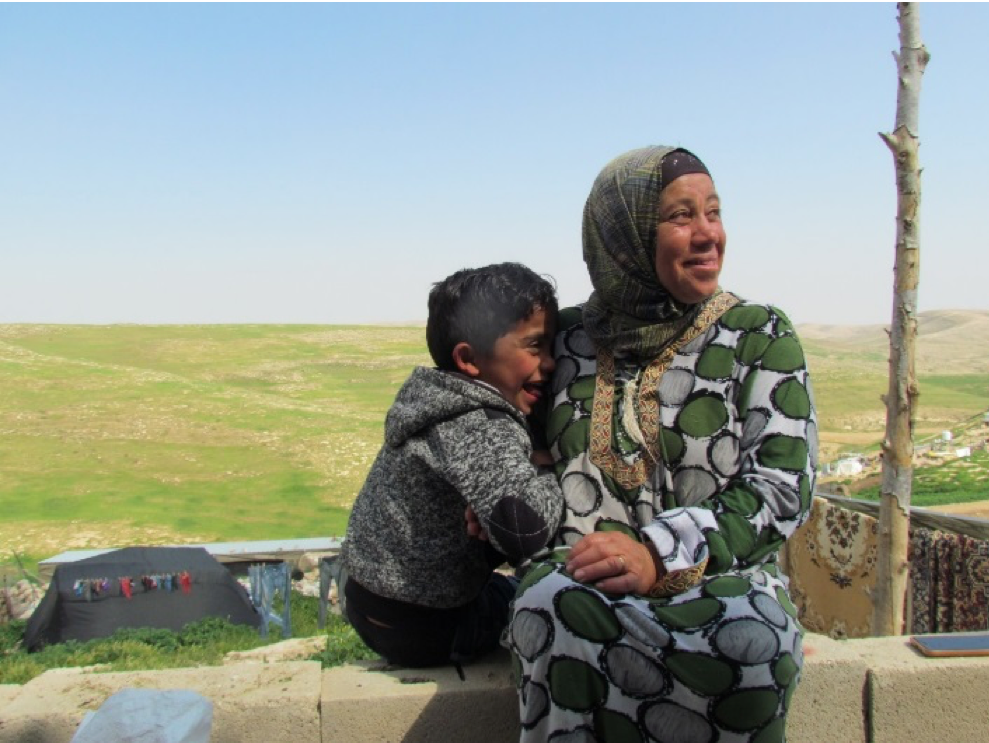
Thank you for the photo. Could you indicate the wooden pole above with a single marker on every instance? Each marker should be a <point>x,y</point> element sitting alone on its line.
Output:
<point>894,516</point>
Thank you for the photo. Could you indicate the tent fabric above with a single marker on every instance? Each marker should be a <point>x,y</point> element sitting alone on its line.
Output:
<point>168,588</point>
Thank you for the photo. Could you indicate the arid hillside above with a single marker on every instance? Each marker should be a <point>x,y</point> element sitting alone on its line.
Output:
<point>850,368</point>
<point>948,342</point>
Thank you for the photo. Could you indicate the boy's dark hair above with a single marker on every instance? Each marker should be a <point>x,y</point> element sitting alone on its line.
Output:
<point>479,305</point>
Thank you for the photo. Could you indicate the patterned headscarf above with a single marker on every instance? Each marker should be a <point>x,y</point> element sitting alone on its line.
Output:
<point>629,311</point>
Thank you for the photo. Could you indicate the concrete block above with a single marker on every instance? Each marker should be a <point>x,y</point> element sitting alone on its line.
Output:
<point>916,698</point>
<point>829,702</point>
<point>252,702</point>
<point>373,703</point>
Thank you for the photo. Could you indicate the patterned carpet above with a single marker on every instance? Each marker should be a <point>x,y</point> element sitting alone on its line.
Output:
<point>831,562</point>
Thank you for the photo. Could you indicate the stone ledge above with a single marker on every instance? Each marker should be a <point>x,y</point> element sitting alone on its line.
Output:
<point>252,702</point>
<point>420,705</point>
<point>830,702</point>
<point>925,699</point>
<point>870,691</point>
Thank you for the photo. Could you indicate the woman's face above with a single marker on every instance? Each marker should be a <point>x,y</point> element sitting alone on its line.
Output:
<point>690,239</point>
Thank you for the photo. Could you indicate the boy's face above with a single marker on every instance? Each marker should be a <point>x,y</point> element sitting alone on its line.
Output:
<point>520,363</point>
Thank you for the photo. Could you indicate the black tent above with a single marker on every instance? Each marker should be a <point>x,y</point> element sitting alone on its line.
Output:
<point>165,587</point>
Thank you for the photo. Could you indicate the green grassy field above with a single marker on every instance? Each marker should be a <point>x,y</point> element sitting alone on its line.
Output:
<point>125,434</point>
<point>953,481</point>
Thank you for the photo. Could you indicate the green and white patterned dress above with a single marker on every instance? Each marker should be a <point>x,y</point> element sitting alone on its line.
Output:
<point>715,463</point>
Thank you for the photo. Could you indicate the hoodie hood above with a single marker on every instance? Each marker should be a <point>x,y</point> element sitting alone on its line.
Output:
<point>430,396</point>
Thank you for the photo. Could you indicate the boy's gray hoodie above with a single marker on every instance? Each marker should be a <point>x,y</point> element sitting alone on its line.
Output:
<point>450,442</point>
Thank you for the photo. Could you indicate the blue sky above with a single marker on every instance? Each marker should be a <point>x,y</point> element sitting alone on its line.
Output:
<point>325,163</point>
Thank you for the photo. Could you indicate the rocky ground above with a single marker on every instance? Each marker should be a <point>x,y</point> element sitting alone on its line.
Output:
<point>18,601</point>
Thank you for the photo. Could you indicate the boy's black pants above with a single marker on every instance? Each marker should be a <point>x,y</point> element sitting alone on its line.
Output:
<point>419,636</point>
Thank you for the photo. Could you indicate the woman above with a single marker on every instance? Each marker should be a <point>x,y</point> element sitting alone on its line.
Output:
<point>683,430</point>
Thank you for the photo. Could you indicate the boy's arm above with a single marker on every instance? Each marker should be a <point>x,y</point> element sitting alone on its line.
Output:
<point>516,503</point>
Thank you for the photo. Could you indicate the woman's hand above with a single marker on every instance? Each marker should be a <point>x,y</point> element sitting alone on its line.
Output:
<point>614,562</point>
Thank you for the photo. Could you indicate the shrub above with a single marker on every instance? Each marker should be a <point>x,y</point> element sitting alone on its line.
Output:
<point>147,648</point>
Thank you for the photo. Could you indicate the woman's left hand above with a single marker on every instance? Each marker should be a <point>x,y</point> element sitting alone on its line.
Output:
<point>614,562</point>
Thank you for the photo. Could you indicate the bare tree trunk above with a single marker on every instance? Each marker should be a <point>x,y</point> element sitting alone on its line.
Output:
<point>894,517</point>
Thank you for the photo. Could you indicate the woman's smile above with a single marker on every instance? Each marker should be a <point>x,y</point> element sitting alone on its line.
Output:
<point>708,262</point>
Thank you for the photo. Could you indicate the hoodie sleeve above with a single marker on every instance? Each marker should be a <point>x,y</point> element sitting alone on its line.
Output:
<point>487,461</point>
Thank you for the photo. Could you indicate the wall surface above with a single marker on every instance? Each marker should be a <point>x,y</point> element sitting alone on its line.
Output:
<point>874,691</point>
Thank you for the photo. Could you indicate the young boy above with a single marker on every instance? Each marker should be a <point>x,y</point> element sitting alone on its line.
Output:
<point>419,590</point>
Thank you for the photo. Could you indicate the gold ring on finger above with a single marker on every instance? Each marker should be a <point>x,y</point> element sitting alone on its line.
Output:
<point>621,558</point>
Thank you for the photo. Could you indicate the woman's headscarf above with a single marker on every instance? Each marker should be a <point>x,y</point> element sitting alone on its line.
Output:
<point>629,312</point>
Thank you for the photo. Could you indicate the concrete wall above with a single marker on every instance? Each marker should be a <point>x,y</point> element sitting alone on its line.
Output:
<point>875,691</point>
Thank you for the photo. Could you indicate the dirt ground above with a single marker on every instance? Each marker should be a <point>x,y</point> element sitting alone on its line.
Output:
<point>47,539</point>
<point>977,509</point>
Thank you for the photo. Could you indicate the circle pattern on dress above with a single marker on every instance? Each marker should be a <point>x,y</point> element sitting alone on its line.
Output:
<point>745,710</point>
<point>634,672</point>
<point>575,684</point>
<point>614,727</point>
<point>751,347</point>
<point>536,706</point>
<point>723,454</point>
<point>693,485</point>
<point>565,372</point>
<point>579,344</point>
<point>583,493</point>
<point>575,438</point>
<point>585,614</point>
<point>703,415</point>
<point>703,674</point>
<point>783,355</point>
<point>791,399</point>
<point>769,610</point>
<point>746,317</point>
<point>716,362</point>
<point>747,641</point>
<point>675,385</point>
<point>667,722</point>
<point>693,613</point>
<point>532,631</point>
<point>640,628</point>
<point>755,423</point>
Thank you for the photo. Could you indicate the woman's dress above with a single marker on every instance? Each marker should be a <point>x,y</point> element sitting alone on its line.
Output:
<point>726,478</point>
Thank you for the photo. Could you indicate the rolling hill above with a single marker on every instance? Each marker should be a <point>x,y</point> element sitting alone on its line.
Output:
<point>120,434</point>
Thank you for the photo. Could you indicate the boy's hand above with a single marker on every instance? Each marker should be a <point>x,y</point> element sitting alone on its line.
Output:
<point>542,458</point>
<point>474,528</point>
